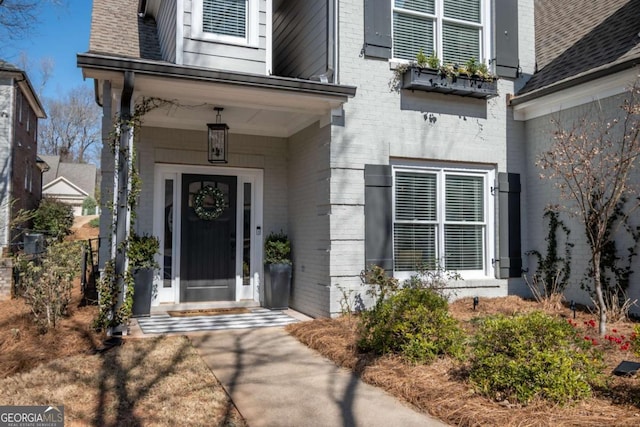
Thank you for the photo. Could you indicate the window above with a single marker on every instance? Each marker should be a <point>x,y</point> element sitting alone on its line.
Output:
<point>454,29</point>
<point>226,21</point>
<point>441,216</point>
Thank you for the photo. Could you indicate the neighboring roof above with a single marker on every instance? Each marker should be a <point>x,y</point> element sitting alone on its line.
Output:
<point>24,83</point>
<point>81,175</point>
<point>577,41</point>
<point>117,29</point>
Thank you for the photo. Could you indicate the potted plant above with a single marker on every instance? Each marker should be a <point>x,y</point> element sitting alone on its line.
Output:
<point>277,257</point>
<point>142,263</point>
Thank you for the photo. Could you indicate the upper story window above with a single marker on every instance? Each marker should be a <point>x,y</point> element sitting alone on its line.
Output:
<point>454,29</point>
<point>226,21</point>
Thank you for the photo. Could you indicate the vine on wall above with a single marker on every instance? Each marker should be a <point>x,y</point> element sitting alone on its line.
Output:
<point>554,270</point>
<point>140,250</point>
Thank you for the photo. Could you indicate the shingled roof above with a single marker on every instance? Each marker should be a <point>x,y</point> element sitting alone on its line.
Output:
<point>82,175</point>
<point>117,30</point>
<point>575,38</point>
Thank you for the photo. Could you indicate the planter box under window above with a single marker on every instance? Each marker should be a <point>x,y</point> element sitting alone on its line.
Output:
<point>430,80</point>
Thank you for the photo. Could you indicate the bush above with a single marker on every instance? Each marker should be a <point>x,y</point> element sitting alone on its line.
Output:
<point>54,218</point>
<point>89,206</point>
<point>412,322</point>
<point>532,355</point>
<point>94,223</point>
<point>277,249</point>
<point>46,281</point>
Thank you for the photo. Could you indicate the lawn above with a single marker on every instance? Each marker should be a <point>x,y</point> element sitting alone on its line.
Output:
<point>442,389</point>
<point>160,381</point>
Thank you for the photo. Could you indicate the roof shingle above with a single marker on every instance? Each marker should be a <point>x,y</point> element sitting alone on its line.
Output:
<point>574,37</point>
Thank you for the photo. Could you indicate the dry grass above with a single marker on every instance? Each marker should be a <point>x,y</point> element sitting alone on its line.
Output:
<point>442,389</point>
<point>160,382</point>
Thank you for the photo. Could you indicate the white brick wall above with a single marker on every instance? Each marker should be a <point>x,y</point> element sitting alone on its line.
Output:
<point>541,193</point>
<point>382,124</point>
<point>309,219</point>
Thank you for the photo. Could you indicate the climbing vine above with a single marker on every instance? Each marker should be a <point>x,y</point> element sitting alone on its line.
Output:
<point>140,250</point>
<point>553,270</point>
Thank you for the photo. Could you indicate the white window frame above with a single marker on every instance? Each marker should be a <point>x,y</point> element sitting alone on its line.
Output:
<point>485,28</point>
<point>252,26</point>
<point>488,173</point>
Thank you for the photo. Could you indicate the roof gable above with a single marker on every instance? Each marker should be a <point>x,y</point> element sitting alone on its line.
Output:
<point>63,187</point>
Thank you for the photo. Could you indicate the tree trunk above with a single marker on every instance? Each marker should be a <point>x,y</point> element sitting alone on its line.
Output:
<point>602,325</point>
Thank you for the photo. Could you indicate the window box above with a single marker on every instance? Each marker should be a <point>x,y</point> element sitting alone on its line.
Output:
<point>430,80</point>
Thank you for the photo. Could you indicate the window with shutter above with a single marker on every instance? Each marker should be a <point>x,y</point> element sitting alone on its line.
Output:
<point>454,29</point>
<point>226,21</point>
<point>441,217</point>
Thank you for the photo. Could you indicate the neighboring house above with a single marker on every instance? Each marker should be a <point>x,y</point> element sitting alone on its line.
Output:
<point>20,168</point>
<point>321,144</point>
<point>587,57</point>
<point>70,183</point>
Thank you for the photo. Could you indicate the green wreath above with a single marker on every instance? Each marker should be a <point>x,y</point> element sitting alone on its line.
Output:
<point>219,204</point>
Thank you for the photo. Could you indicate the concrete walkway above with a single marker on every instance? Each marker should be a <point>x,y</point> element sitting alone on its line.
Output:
<point>276,381</point>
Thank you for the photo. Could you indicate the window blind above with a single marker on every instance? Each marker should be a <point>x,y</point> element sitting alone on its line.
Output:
<point>225,17</point>
<point>414,246</point>
<point>463,245</point>
<point>416,196</point>
<point>424,6</point>
<point>466,10</point>
<point>460,43</point>
<point>464,198</point>
<point>410,34</point>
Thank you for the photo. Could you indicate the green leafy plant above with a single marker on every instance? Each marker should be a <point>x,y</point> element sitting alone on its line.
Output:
<point>89,206</point>
<point>553,271</point>
<point>277,249</point>
<point>142,251</point>
<point>46,281</point>
<point>379,284</point>
<point>94,223</point>
<point>435,277</point>
<point>533,355</point>
<point>53,217</point>
<point>412,322</point>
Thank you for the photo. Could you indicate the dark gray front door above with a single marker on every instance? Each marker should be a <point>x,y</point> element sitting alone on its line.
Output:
<point>208,246</point>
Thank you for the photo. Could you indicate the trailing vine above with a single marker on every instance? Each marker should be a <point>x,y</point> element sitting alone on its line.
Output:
<point>140,250</point>
<point>553,270</point>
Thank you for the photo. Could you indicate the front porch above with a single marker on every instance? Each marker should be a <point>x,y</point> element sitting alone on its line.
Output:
<point>272,178</point>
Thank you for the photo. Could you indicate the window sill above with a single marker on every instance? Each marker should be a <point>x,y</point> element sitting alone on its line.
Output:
<point>429,80</point>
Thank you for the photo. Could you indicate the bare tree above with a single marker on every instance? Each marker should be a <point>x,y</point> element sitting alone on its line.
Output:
<point>591,164</point>
<point>17,17</point>
<point>72,129</point>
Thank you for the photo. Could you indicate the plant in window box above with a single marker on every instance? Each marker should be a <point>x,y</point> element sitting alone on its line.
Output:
<point>472,79</point>
<point>278,271</point>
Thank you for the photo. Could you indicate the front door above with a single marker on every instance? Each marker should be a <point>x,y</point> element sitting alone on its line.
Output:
<point>208,238</point>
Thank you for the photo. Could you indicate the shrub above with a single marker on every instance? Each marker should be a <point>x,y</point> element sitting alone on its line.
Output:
<point>46,281</point>
<point>53,217</point>
<point>412,322</point>
<point>94,223</point>
<point>532,355</point>
<point>89,206</point>
<point>277,249</point>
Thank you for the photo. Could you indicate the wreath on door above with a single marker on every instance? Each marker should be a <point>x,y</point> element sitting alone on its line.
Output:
<point>213,212</point>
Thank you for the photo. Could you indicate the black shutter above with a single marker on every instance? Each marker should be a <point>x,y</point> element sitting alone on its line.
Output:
<point>510,258</point>
<point>378,238</point>
<point>506,24</point>
<point>377,28</point>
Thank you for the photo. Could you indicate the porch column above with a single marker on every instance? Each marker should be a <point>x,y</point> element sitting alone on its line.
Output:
<point>122,189</point>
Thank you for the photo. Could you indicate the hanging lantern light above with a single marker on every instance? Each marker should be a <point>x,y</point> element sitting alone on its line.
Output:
<point>218,139</point>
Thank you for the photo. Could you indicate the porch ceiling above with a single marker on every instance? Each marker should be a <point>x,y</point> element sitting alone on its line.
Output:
<point>256,105</point>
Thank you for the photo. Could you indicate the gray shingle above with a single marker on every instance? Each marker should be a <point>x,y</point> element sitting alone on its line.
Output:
<point>576,36</point>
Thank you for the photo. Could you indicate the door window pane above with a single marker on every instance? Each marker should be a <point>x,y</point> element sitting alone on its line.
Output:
<point>246,248</point>
<point>168,233</point>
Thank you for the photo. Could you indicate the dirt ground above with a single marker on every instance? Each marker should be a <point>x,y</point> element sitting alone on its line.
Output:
<point>442,388</point>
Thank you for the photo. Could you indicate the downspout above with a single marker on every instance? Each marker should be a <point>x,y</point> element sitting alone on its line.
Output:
<point>122,188</point>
